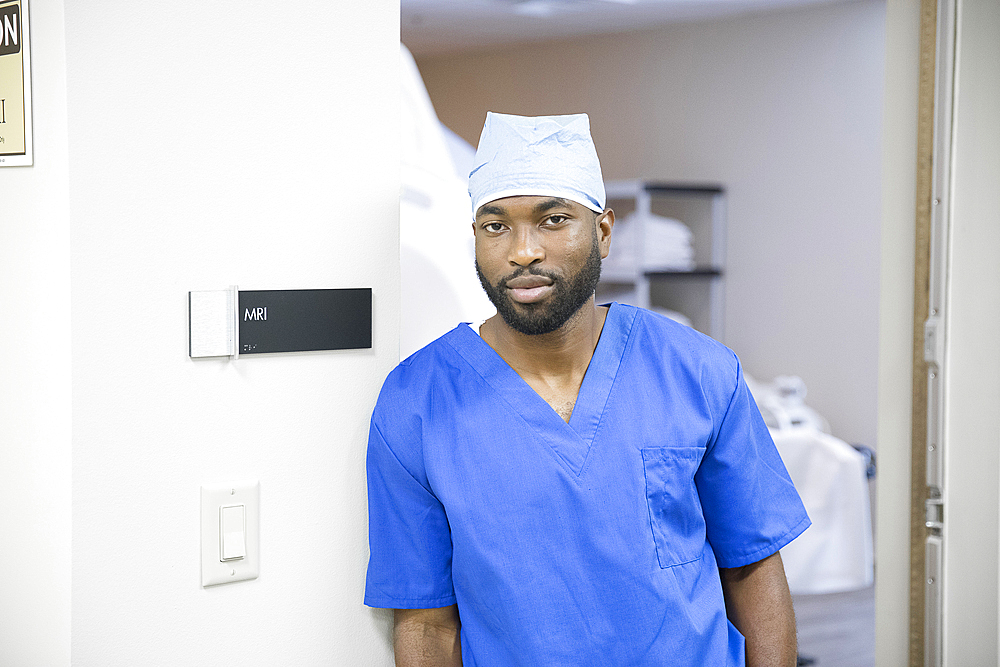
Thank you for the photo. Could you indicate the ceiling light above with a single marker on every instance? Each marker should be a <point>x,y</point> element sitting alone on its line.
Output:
<point>535,8</point>
<point>550,7</point>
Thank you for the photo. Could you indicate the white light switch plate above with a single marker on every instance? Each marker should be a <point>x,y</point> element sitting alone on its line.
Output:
<point>213,497</point>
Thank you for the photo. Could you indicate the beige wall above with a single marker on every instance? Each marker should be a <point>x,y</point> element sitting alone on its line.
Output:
<point>785,111</point>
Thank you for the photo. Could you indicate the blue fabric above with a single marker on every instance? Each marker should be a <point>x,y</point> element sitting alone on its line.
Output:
<point>595,542</point>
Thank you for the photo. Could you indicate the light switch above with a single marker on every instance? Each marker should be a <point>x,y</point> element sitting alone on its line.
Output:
<point>233,536</point>
<point>230,522</point>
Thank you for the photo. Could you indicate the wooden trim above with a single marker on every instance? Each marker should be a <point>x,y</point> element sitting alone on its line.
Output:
<point>921,305</point>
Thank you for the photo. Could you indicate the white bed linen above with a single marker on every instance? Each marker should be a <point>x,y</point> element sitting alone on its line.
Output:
<point>835,554</point>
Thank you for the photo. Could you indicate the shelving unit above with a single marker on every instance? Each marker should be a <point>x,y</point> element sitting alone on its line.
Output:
<point>697,293</point>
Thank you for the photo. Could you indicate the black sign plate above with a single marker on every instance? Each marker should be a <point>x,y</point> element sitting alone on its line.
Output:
<point>305,320</point>
<point>10,32</point>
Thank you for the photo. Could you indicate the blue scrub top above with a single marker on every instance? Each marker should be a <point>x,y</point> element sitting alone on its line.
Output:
<point>594,542</point>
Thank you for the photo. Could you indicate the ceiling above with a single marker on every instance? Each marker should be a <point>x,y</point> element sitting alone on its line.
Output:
<point>440,26</point>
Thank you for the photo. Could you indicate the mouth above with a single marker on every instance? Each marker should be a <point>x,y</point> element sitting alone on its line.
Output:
<point>530,288</point>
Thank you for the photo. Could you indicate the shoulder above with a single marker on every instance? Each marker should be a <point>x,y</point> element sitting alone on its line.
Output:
<point>686,364</point>
<point>416,384</point>
<point>422,367</point>
<point>655,334</point>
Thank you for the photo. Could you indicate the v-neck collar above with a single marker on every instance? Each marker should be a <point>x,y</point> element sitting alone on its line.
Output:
<point>571,441</point>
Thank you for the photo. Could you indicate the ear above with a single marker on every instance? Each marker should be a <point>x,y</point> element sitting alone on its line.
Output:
<point>605,223</point>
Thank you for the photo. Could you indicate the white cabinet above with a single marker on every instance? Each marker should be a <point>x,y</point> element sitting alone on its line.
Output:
<point>643,272</point>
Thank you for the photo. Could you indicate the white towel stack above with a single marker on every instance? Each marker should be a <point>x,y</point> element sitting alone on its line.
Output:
<point>665,245</point>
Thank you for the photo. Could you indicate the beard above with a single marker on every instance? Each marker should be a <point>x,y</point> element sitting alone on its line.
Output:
<point>568,296</point>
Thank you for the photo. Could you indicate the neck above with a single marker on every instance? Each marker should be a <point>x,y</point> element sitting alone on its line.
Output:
<point>564,352</point>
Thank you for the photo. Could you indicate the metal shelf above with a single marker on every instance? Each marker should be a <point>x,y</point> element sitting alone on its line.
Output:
<point>705,272</point>
<point>698,272</point>
<point>699,292</point>
<point>627,189</point>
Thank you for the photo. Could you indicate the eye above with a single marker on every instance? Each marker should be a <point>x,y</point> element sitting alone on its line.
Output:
<point>493,227</point>
<point>556,219</point>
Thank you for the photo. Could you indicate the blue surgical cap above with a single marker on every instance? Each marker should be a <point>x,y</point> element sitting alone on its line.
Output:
<point>537,155</point>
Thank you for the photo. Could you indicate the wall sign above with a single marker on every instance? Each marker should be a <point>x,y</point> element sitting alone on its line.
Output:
<point>304,320</point>
<point>233,322</point>
<point>15,85</point>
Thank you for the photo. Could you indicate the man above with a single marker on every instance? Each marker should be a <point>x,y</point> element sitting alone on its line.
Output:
<point>571,484</point>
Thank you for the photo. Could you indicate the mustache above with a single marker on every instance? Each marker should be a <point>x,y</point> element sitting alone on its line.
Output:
<point>528,270</point>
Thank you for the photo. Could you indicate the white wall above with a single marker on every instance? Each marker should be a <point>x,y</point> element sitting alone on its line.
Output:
<point>899,177</point>
<point>972,372</point>
<point>973,392</point>
<point>785,110</point>
<point>208,144</point>
<point>35,372</point>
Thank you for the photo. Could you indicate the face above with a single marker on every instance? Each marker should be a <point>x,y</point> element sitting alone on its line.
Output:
<point>539,258</point>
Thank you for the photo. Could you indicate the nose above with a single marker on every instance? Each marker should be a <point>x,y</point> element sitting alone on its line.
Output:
<point>526,247</point>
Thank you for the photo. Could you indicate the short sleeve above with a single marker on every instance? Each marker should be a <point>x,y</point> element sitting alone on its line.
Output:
<point>410,562</point>
<point>751,507</point>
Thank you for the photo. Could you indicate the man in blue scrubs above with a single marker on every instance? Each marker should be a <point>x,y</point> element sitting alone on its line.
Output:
<point>569,484</point>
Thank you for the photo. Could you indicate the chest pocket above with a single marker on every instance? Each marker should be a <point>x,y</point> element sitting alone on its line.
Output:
<point>675,515</point>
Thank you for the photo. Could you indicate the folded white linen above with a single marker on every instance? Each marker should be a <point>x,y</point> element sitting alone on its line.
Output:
<point>649,242</point>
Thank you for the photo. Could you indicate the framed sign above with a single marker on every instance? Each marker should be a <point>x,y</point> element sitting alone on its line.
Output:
<point>15,85</point>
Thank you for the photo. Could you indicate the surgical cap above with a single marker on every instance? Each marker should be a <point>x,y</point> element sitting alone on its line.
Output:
<point>537,155</point>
